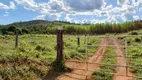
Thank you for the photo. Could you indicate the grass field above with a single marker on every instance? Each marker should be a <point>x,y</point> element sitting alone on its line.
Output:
<point>34,54</point>
<point>135,55</point>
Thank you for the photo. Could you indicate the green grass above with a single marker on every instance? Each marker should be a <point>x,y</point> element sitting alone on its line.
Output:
<point>29,61</point>
<point>35,51</point>
<point>31,46</point>
<point>135,52</point>
<point>75,52</point>
<point>43,47</point>
<point>23,71</point>
<point>135,55</point>
<point>104,72</point>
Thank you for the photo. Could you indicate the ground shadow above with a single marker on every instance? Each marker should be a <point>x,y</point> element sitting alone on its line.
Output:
<point>57,69</point>
<point>52,75</point>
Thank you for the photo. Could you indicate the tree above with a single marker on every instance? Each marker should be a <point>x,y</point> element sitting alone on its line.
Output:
<point>25,31</point>
<point>4,31</point>
<point>19,30</point>
<point>12,28</point>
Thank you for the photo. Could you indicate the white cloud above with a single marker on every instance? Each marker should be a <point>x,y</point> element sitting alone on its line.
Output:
<point>6,7</point>
<point>3,6</point>
<point>6,14</point>
<point>28,4</point>
<point>40,17</point>
<point>136,17</point>
<point>97,9</point>
<point>140,9</point>
<point>55,6</point>
<point>12,5</point>
<point>123,2</point>
<point>67,18</point>
<point>48,16</point>
<point>85,5</point>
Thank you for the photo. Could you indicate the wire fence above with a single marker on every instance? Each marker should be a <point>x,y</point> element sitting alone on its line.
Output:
<point>87,46</point>
<point>125,45</point>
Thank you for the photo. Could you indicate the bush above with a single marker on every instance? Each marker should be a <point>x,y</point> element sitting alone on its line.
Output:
<point>21,49</point>
<point>19,31</point>
<point>81,50</point>
<point>4,31</point>
<point>128,42</point>
<point>25,31</point>
<point>134,33</point>
<point>12,28</point>
<point>12,57</point>
<point>137,40</point>
<point>40,48</point>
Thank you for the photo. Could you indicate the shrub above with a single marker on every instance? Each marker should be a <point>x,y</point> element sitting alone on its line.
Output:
<point>137,40</point>
<point>40,48</point>
<point>25,31</point>
<point>4,31</point>
<point>128,42</point>
<point>19,31</point>
<point>81,50</point>
<point>12,28</point>
<point>21,49</point>
<point>134,33</point>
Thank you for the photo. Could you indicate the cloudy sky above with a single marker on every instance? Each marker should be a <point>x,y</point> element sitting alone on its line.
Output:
<point>77,11</point>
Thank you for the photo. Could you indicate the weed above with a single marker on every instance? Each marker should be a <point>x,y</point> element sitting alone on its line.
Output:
<point>137,40</point>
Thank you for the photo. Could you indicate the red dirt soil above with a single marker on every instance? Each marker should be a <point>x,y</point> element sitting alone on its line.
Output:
<point>121,61</point>
<point>81,73</point>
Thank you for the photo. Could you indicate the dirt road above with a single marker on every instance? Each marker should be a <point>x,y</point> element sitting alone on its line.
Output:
<point>122,62</point>
<point>83,73</point>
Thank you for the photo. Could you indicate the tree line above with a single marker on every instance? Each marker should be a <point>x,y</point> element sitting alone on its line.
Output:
<point>40,27</point>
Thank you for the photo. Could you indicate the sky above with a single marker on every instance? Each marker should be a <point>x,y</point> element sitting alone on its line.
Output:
<point>75,11</point>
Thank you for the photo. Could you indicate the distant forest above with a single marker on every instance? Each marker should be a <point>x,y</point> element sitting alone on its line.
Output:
<point>50,27</point>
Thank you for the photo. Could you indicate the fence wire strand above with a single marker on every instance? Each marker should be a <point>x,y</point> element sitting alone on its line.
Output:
<point>125,46</point>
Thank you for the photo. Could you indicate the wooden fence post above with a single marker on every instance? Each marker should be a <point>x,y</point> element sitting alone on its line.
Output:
<point>85,39</point>
<point>126,54</point>
<point>78,41</point>
<point>59,44</point>
<point>16,41</point>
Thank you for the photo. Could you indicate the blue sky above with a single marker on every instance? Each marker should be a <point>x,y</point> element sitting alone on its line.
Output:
<point>77,11</point>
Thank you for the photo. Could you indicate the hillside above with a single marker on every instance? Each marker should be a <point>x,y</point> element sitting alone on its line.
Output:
<point>49,27</point>
<point>36,26</point>
<point>38,22</point>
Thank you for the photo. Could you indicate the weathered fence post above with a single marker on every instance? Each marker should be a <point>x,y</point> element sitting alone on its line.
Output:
<point>85,39</point>
<point>16,41</point>
<point>78,41</point>
<point>59,44</point>
<point>126,54</point>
